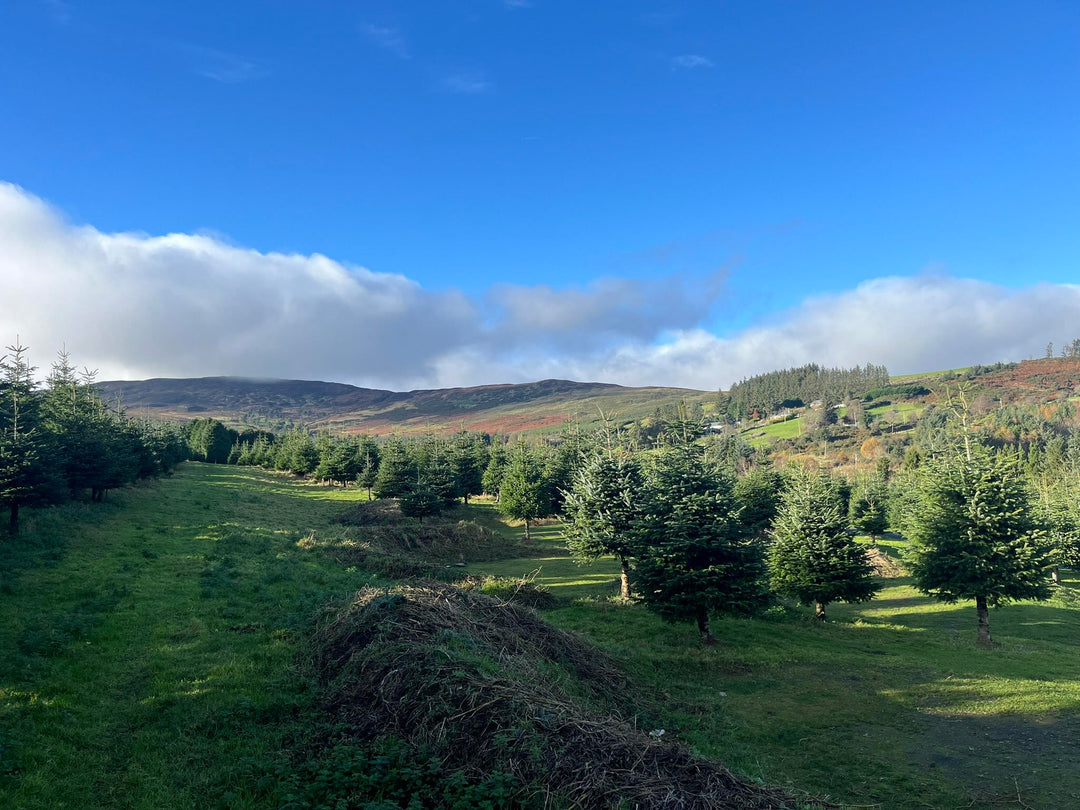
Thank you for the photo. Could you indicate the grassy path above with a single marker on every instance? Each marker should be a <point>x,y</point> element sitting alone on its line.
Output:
<point>148,666</point>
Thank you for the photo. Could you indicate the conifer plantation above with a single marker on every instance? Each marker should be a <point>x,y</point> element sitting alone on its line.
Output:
<point>295,619</point>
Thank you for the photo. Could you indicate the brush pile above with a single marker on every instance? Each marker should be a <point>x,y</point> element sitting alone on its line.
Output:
<point>491,687</point>
<point>884,565</point>
<point>380,539</point>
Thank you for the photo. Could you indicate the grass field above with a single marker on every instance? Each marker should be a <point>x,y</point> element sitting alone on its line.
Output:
<point>149,644</point>
<point>153,652</point>
<point>766,434</point>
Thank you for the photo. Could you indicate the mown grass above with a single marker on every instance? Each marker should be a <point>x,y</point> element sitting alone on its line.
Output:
<point>551,565</point>
<point>149,651</point>
<point>766,434</point>
<point>889,705</point>
<point>153,649</point>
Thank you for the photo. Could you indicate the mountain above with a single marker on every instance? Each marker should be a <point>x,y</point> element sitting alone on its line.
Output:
<point>277,404</point>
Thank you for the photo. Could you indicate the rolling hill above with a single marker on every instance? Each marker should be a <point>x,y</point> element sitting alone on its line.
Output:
<point>278,404</point>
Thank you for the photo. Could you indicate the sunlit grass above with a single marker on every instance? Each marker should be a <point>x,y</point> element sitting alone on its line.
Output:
<point>150,651</point>
<point>149,657</point>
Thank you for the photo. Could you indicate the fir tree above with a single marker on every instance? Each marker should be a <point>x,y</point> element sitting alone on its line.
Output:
<point>812,557</point>
<point>600,509</point>
<point>524,494</point>
<point>468,459</point>
<point>397,471</point>
<point>496,469</point>
<point>27,473</point>
<point>694,556</point>
<point>976,536</point>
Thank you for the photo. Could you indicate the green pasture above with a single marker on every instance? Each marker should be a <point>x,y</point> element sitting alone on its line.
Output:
<point>552,566</point>
<point>150,643</point>
<point>765,434</point>
<point>154,658</point>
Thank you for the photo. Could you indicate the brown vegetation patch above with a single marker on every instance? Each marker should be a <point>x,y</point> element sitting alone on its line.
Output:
<point>379,539</point>
<point>522,590</point>
<point>1044,376</point>
<point>491,687</point>
<point>884,565</point>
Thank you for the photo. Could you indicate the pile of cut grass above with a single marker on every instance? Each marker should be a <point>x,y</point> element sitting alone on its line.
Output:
<point>490,687</point>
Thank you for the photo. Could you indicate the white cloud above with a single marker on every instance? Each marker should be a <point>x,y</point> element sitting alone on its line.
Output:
<point>227,68</point>
<point>469,83</point>
<point>386,37</point>
<point>182,305</point>
<point>136,306</point>
<point>691,60</point>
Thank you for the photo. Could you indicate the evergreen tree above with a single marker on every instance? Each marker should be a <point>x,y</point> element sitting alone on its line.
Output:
<point>368,457</point>
<point>600,509</point>
<point>421,501</point>
<point>976,536</point>
<point>758,495</point>
<point>868,510</point>
<point>812,557</point>
<point>468,458</point>
<point>27,472</point>
<point>524,494</point>
<point>496,469</point>
<point>397,472</point>
<point>298,453</point>
<point>211,441</point>
<point>1060,515</point>
<point>694,556</point>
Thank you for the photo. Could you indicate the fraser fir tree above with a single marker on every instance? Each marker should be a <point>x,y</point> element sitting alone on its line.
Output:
<point>468,458</point>
<point>369,464</point>
<point>600,509</point>
<point>694,556</point>
<point>868,510</point>
<point>524,494</point>
<point>421,501</point>
<point>812,558</point>
<point>397,472</point>
<point>976,536</point>
<point>27,474</point>
<point>758,494</point>
<point>496,469</point>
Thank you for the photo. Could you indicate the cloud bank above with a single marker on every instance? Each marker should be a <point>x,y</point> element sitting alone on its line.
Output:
<point>135,306</point>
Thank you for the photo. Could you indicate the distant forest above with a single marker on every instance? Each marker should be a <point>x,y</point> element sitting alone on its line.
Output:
<point>764,394</point>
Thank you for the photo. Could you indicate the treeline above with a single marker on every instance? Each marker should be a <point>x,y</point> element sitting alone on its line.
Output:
<point>764,394</point>
<point>62,441</point>
<point>428,474</point>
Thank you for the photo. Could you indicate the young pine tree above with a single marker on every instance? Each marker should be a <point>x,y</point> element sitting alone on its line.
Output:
<point>600,509</point>
<point>694,556</point>
<point>28,474</point>
<point>525,491</point>
<point>977,537</point>
<point>812,557</point>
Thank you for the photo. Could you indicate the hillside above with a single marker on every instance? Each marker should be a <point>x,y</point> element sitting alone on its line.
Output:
<point>345,408</point>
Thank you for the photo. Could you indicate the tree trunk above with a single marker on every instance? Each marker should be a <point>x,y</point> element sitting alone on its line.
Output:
<point>705,628</point>
<point>1056,575</point>
<point>624,580</point>
<point>984,622</point>
<point>819,611</point>
<point>13,524</point>
<point>526,530</point>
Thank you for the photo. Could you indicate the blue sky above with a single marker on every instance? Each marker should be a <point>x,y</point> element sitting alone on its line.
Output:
<point>629,191</point>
